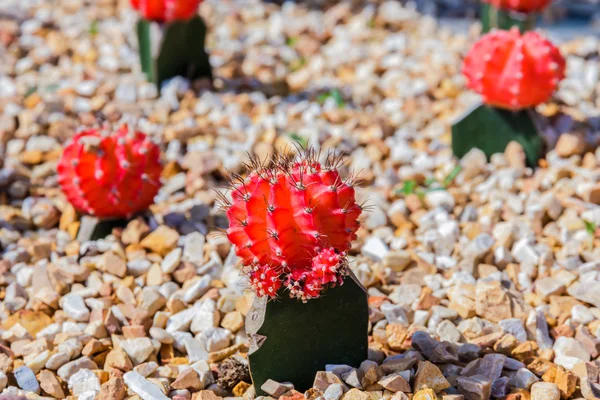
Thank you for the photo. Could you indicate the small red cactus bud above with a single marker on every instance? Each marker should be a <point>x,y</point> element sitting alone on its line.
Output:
<point>265,280</point>
<point>110,176</point>
<point>525,6</point>
<point>514,71</point>
<point>166,10</point>
<point>326,264</point>
<point>284,214</point>
<point>328,269</point>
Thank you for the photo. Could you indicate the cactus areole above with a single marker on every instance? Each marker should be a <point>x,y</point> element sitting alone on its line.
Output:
<point>110,175</point>
<point>514,71</point>
<point>171,38</point>
<point>292,223</point>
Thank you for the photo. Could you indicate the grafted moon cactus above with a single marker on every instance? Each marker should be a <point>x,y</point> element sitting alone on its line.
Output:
<point>292,222</point>
<point>514,71</point>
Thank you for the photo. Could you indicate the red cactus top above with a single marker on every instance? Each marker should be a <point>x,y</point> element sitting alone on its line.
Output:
<point>110,175</point>
<point>291,223</point>
<point>166,10</point>
<point>513,70</point>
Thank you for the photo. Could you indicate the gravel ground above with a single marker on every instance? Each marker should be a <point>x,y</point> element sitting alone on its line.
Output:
<point>483,277</point>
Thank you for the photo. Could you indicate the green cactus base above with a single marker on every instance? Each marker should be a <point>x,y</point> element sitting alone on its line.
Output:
<point>291,341</point>
<point>93,228</point>
<point>491,129</point>
<point>494,17</point>
<point>173,49</point>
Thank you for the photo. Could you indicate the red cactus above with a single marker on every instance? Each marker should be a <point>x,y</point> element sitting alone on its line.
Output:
<point>110,175</point>
<point>293,220</point>
<point>514,71</point>
<point>525,6</point>
<point>166,10</point>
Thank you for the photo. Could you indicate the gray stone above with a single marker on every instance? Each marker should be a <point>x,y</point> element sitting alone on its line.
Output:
<point>275,389</point>
<point>26,379</point>
<point>395,383</point>
<point>395,314</point>
<point>515,327</point>
<point>83,381</point>
<point>500,387</point>
<point>70,368</point>
<point>479,246</point>
<point>324,379</point>
<point>588,292</point>
<point>546,287</point>
<point>536,322</point>
<point>513,365</point>
<point>447,331</point>
<point>182,320</point>
<point>469,352</point>
<point>424,343</point>
<point>524,378</point>
<point>476,387</point>
<point>195,350</point>
<point>352,378</point>
<point>193,248</point>
<point>444,353</point>
<point>197,289</point>
<point>581,314</point>
<point>57,360</point>
<point>440,198</point>
<point>215,339</point>
<point>523,252</point>
<point>375,248</point>
<point>405,294</point>
<point>207,316</point>
<point>142,387</point>
<point>138,349</point>
<point>491,366</point>
<point>171,260</point>
<point>569,352</point>
<point>334,392</point>
<point>545,391</point>
<point>74,306</point>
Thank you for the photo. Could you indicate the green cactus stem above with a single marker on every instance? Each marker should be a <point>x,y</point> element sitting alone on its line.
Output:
<point>494,17</point>
<point>173,49</point>
<point>491,129</point>
<point>291,341</point>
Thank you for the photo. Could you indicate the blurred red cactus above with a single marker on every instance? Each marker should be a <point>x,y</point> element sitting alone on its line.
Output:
<point>110,175</point>
<point>514,71</point>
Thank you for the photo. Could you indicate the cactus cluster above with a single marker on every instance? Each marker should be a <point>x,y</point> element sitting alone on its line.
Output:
<point>166,10</point>
<point>292,222</point>
<point>525,6</point>
<point>110,175</point>
<point>514,71</point>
